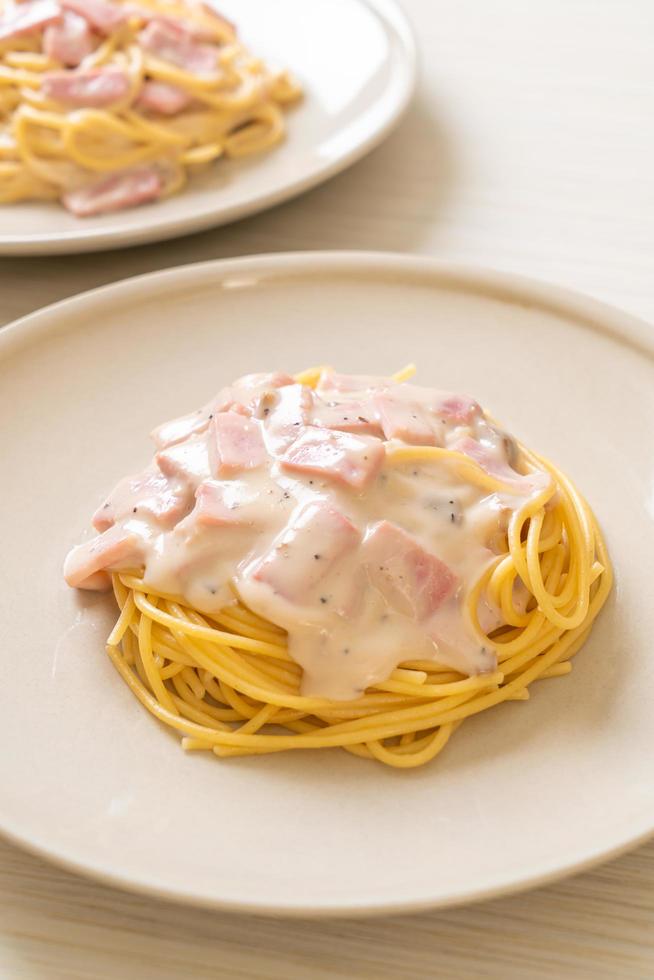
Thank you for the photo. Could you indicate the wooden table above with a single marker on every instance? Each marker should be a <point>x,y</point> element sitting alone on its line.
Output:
<point>530,147</point>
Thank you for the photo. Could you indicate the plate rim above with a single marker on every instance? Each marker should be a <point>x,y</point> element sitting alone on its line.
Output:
<point>437,273</point>
<point>395,19</point>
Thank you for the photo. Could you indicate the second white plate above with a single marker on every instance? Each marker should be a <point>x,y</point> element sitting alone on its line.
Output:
<point>356,62</point>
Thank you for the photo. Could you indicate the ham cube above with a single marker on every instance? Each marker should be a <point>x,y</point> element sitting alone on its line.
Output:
<point>405,420</point>
<point>495,463</point>
<point>412,580</point>
<point>171,41</point>
<point>217,505</point>
<point>288,416</point>
<point>342,457</point>
<point>491,462</point>
<point>149,494</point>
<point>117,549</point>
<point>102,16</point>
<point>215,30</point>
<point>237,442</point>
<point>254,394</point>
<point>317,538</point>
<point>347,416</point>
<point>124,190</point>
<point>27,18</point>
<point>187,461</point>
<point>458,408</point>
<point>69,40</point>
<point>93,89</point>
<point>104,517</point>
<point>163,98</point>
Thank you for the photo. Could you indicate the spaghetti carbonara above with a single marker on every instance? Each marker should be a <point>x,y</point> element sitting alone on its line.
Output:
<point>106,104</point>
<point>334,560</point>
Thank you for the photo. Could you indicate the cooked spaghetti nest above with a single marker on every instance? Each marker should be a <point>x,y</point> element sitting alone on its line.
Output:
<point>48,148</point>
<point>226,682</point>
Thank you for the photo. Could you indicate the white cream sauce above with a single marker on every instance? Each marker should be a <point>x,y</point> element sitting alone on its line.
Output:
<point>365,561</point>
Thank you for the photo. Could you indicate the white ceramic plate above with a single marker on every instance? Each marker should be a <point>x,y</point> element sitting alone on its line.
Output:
<point>523,793</point>
<point>356,61</point>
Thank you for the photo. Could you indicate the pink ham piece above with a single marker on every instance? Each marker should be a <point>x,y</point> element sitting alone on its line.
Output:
<point>172,42</point>
<point>86,565</point>
<point>104,517</point>
<point>351,460</point>
<point>69,40</point>
<point>238,443</point>
<point>163,98</point>
<point>150,494</point>
<point>288,416</point>
<point>491,462</point>
<point>27,18</point>
<point>218,506</point>
<point>187,461</point>
<point>253,394</point>
<point>458,408</point>
<point>306,552</point>
<point>101,16</point>
<point>248,396</point>
<point>347,416</point>
<point>214,29</point>
<point>124,190</point>
<point>91,89</point>
<point>412,580</point>
<point>405,420</point>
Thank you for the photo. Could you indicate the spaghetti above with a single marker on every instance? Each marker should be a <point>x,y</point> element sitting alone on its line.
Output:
<point>109,104</point>
<point>227,682</point>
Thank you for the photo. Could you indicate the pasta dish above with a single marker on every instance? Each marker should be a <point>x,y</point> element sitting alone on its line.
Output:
<point>107,104</point>
<point>341,561</point>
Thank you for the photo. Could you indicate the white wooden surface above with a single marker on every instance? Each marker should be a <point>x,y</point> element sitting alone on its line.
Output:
<point>529,147</point>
